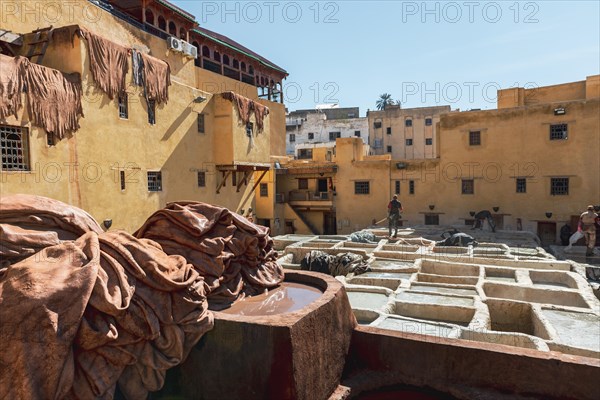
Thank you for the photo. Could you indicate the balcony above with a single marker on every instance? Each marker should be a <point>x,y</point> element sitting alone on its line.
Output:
<point>307,200</point>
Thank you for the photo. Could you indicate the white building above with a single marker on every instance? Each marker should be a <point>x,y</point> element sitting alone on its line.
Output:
<point>324,125</point>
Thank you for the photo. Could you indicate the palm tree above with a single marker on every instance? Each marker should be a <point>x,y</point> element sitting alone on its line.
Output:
<point>384,101</point>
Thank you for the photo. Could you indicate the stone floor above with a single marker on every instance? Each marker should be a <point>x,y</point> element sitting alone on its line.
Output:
<point>507,290</point>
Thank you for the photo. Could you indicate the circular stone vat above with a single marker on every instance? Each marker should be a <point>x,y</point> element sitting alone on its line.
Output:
<point>288,297</point>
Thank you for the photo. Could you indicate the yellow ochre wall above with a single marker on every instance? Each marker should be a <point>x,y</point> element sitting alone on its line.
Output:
<point>83,169</point>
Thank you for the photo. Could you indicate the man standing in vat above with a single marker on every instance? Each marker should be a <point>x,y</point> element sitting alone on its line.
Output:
<point>394,210</point>
<point>587,222</point>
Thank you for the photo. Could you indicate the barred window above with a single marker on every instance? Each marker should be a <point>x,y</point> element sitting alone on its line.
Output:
<point>432,219</point>
<point>292,137</point>
<point>475,138</point>
<point>361,187</point>
<point>122,179</point>
<point>408,123</point>
<point>397,187</point>
<point>559,186</point>
<point>154,181</point>
<point>334,135</point>
<point>15,148</point>
<point>264,190</point>
<point>123,106</point>
<point>409,142</point>
<point>311,135</point>
<point>411,187</point>
<point>200,123</point>
<point>389,149</point>
<point>468,186</point>
<point>428,141</point>
<point>558,132</point>
<point>428,121</point>
<point>201,179</point>
<point>521,185</point>
<point>388,130</point>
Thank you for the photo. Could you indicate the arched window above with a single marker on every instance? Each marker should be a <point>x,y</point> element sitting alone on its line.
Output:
<point>243,66</point>
<point>205,51</point>
<point>217,56</point>
<point>149,17</point>
<point>162,23</point>
<point>225,59</point>
<point>251,70</point>
<point>182,34</point>
<point>172,28</point>
<point>236,64</point>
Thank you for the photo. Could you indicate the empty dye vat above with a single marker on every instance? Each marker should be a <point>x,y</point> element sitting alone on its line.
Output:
<point>387,265</point>
<point>534,295</point>
<point>390,280</point>
<point>411,297</point>
<point>575,329</point>
<point>288,297</point>
<point>444,290</point>
<point>370,300</point>
<point>395,323</point>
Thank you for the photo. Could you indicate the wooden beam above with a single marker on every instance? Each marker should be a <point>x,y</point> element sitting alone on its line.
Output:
<point>253,189</point>
<point>244,180</point>
<point>227,173</point>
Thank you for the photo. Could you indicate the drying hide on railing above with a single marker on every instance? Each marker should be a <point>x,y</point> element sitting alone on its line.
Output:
<point>11,86</point>
<point>108,63</point>
<point>157,79</point>
<point>246,107</point>
<point>234,256</point>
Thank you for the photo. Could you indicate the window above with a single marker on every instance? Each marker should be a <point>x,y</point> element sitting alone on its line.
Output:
<point>408,123</point>
<point>122,179</point>
<point>377,124</point>
<point>558,132</point>
<point>389,149</point>
<point>311,135</point>
<point>334,135</point>
<point>388,130</point>
<point>201,179</point>
<point>292,137</point>
<point>521,185</point>
<point>123,107</point>
<point>154,181</point>
<point>249,129</point>
<point>303,183</point>
<point>409,142</point>
<point>151,112</point>
<point>559,186</point>
<point>236,64</point>
<point>50,140</point>
<point>411,187</point>
<point>474,138</point>
<point>468,186</point>
<point>200,123</point>
<point>432,219</point>
<point>305,154</point>
<point>361,187</point>
<point>264,190</point>
<point>397,187</point>
<point>428,121</point>
<point>428,141</point>
<point>357,133</point>
<point>15,148</point>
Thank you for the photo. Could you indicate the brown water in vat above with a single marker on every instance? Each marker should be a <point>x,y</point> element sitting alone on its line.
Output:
<point>288,297</point>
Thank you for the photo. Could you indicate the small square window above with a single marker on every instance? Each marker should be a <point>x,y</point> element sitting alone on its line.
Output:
<point>264,190</point>
<point>357,133</point>
<point>409,142</point>
<point>468,186</point>
<point>388,130</point>
<point>201,179</point>
<point>334,135</point>
<point>408,123</point>
<point>311,136</point>
<point>14,143</point>
<point>154,181</point>
<point>361,187</point>
<point>428,141</point>
<point>558,132</point>
<point>559,186</point>
<point>123,106</point>
<point>151,112</point>
<point>303,184</point>
<point>397,187</point>
<point>200,123</point>
<point>292,137</point>
<point>377,124</point>
<point>475,138</point>
<point>521,185</point>
<point>411,187</point>
<point>389,149</point>
<point>428,121</point>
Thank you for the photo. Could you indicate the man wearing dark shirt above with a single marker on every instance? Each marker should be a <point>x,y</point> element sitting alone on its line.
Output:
<point>394,209</point>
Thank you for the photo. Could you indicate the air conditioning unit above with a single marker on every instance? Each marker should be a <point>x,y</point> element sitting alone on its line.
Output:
<point>174,44</point>
<point>279,198</point>
<point>189,49</point>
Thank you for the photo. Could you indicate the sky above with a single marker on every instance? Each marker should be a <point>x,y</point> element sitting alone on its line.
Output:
<point>422,53</point>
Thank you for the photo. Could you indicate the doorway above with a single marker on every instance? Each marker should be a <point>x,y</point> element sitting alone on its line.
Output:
<point>322,185</point>
<point>329,224</point>
<point>546,231</point>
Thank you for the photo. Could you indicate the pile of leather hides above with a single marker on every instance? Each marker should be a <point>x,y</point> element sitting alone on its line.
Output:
<point>246,108</point>
<point>334,265</point>
<point>83,311</point>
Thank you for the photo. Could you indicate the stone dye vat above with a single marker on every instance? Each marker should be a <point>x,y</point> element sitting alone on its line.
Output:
<point>288,344</point>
